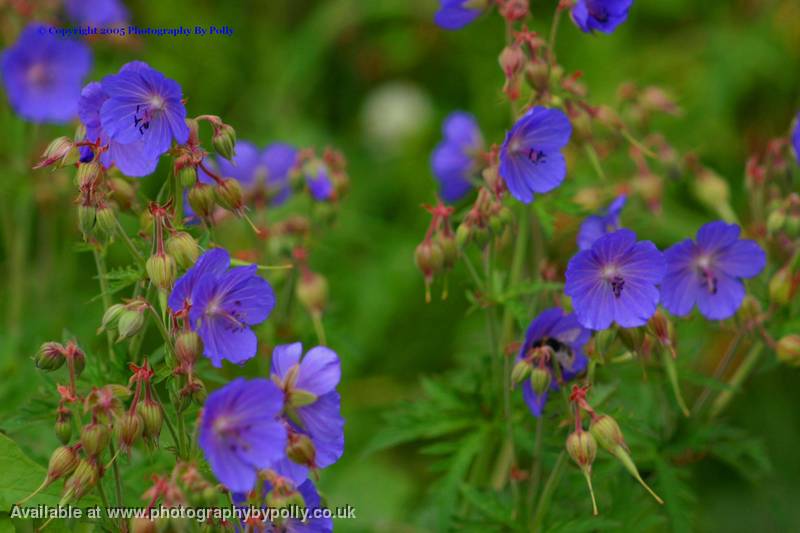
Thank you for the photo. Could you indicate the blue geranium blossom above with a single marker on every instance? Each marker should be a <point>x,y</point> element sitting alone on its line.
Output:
<point>144,105</point>
<point>600,15</point>
<point>222,304</point>
<point>43,74</point>
<point>239,431</point>
<point>553,338</point>
<point>796,138</point>
<point>319,183</point>
<point>708,272</point>
<point>615,281</point>
<point>530,157</point>
<point>280,159</point>
<point>455,14</point>
<point>595,226</point>
<point>247,166</point>
<point>454,160</point>
<point>96,12</point>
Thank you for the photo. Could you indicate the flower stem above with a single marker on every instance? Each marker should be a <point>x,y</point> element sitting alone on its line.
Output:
<point>129,244</point>
<point>117,480</point>
<point>170,427</point>
<point>547,493</point>
<point>102,275</point>
<point>741,374</point>
<point>319,328</point>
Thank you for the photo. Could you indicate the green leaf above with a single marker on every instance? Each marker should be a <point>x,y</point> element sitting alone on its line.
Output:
<point>21,476</point>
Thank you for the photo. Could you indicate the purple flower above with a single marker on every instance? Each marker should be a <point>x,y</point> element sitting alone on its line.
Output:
<point>222,305</point>
<point>240,433</point>
<point>43,74</point>
<point>600,15</point>
<point>530,157</point>
<point>455,14</point>
<point>319,184</point>
<point>453,160</point>
<point>247,166</point>
<point>796,138</point>
<point>595,226</point>
<point>553,338</point>
<point>131,159</point>
<point>143,105</point>
<point>615,281</point>
<point>96,12</point>
<point>310,388</point>
<point>279,159</point>
<point>708,272</point>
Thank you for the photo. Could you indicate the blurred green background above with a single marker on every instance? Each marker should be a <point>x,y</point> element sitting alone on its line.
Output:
<point>375,78</point>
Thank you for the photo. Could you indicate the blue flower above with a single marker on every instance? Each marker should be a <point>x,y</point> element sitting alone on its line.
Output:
<point>279,159</point>
<point>600,15</point>
<point>144,105</point>
<point>708,272</point>
<point>131,159</point>
<point>453,160</point>
<point>319,183</point>
<point>796,138</point>
<point>96,12</point>
<point>43,74</point>
<point>309,385</point>
<point>240,433</point>
<point>615,281</point>
<point>455,14</point>
<point>530,157</point>
<point>222,304</point>
<point>553,338</point>
<point>595,226</point>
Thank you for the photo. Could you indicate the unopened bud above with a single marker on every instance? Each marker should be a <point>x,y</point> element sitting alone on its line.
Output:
<point>540,380</point>
<point>202,199</point>
<point>78,358</point>
<point>111,316</point>
<point>520,372</point>
<point>751,310</point>
<point>284,498</point>
<point>582,448</point>
<point>106,220</point>
<point>183,248</point>
<point>95,438</point>
<point>449,249</point>
<point>301,450</point>
<point>187,176</point>
<point>429,257</point>
<point>788,350</point>
<point>229,194</point>
<point>60,152</point>
<point>152,418</point>
<point>714,193</point>
<point>224,141</point>
<point>780,286</point>
<point>199,392</point>
<point>129,324</point>
<point>537,75</point>
<point>63,462</point>
<point>88,174</point>
<point>50,356</point>
<point>463,235</point>
<point>312,291</point>
<point>776,221</point>
<point>188,347</point>
<point>64,425</point>
<point>129,428</point>
<point>83,479</point>
<point>162,270</point>
<point>86,219</point>
<point>607,432</point>
<point>512,60</point>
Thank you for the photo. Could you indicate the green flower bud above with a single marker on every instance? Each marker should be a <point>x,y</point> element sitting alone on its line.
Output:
<point>607,432</point>
<point>60,152</point>
<point>751,309</point>
<point>776,221</point>
<point>183,248</point>
<point>63,462</point>
<point>162,270</point>
<point>129,428</point>
<point>50,356</point>
<point>780,286</point>
<point>229,194</point>
<point>106,220</point>
<point>429,258</point>
<point>202,199</point>
<point>94,438</point>
<point>284,498</point>
<point>129,324</point>
<point>146,222</point>
<point>540,380</point>
<point>312,291</point>
<point>582,448</point>
<point>111,316</point>
<point>188,347</point>
<point>199,392</point>
<point>788,350</point>
<point>187,176</point>
<point>463,235</point>
<point>224,141</point>
<point>152,418</point>
<point>86,219</point>
<point>83,479</point>
<point>301,450</point>
<point>520,372</point>
<point>88,174</point>
<point>449,249</point>
<point>64,425</point>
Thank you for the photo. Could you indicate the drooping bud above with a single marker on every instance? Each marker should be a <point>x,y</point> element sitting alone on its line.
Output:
<point>86,219</point>
<point>202,199</point>
<point>111,316</point>
<point>63,462</point>
<point>63,425</point>
<point>188,347</point>
<point>83,479</point>
<point>520,372</point>
<point>788,350</point>
<point>162,270</point>
<point>780,286</point>
<point>88,173</point>
<point>129,428</point>
<point>582,448</point>
<point>106,220</point>
<point>229,194</point>
<point>430,259</point>
<point>776,221</point>
<point>301,450</point>
<point>130,323</point>
<point>714,193</point>
<point>449,249</point>
<point>187,176</point>
<point>50,356</point>
<point>95,438</point>
<point>540,380</point>
<point>512,60</point>
<point>60,152</point>
<point>152,417</point>
<point>224,141</point>
<point>183,248</point>
<point>312,291</point>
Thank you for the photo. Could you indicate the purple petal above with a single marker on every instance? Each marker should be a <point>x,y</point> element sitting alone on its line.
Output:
<point>744,259</point>
<point>724,302</point>
<point>716,235</point>
<point>535,401</point>
<point>285,356</point>
<point>320,371</point>
<point>246,295</point>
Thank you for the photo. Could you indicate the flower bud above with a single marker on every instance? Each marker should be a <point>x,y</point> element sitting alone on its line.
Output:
<point>202,199</point>
<point>463,235</point>
<point>95,438</point>
<point>60,152</point>
<point>183,248</point>
<point>199,392</point>
<point>63,462</point>
<point>607,432</point>
<point>162,270</point>
<point>788,350</point>
<point>64,425</point>
<point>537,75</point>
<point>520,372</point>
<point>78,358</point>
<point>188,347</point>
<point>111,316</point>
<point>540,380</point>
<point>776,221</point>
<point>83,479</point>
<point>152,418</point>
<point>88,174</point>
<point>429,257</point>
<point>50,356</point>
<point>780,286</point>
<point>130,323</point>
<point>449,249</point>
<point>129,428</point>
<point>582,447</point>
<point>312,291</point>
<point>512,60</point>
<point>187,176</point>
<point>229,194</point>
<point>106,220</point>
<point>301,449</point>
<point>86,219</point>
<point>714,193</point>
<point>224,141</point>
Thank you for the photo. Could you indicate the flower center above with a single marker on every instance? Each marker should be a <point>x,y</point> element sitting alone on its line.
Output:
<point>226,427</point>
<point>597,12</point>
<point>611,274</point>
<point>709,279</point>
<point>145,113</point>
<point>38,75</point>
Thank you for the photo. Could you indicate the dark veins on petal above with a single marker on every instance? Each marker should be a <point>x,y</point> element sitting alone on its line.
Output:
<point>617,284</point>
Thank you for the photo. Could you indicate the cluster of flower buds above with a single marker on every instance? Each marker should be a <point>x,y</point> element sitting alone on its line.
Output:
<point>487,217</point>
<point>784,216</point>
<point>282,494</point>
<point>603,430</point>
<point>438,251</point>
<point>126,318</point>
<point>521,58</point>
